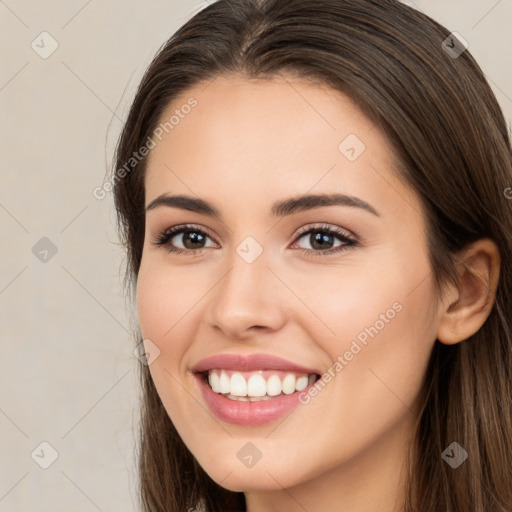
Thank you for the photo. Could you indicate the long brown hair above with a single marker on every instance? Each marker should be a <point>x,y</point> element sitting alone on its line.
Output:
<point>450,135</point>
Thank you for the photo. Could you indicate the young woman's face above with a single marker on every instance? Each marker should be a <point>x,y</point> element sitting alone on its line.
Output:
<point>277,288</point>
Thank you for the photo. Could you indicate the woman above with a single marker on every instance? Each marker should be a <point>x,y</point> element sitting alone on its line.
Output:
<point>312,195</point>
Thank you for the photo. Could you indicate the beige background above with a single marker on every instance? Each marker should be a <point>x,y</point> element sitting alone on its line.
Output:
<point>68,374</point>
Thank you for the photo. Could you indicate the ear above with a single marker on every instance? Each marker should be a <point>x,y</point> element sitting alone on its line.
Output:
<point>465,308</point>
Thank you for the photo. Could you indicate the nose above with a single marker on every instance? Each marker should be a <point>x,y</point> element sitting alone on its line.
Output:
<point>248,300</point>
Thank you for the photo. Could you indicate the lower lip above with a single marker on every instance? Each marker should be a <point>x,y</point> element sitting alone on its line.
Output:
<point>248,413</point>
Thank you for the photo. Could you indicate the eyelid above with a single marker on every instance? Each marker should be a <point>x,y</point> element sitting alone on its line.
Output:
<point>350,238</point>
<point>179,229</point>
<point>349,241</point>
<point>324,226</point>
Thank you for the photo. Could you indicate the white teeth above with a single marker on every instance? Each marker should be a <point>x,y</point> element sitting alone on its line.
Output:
<point>302,383</point>
<point>238,385</point>
<point>256,387</point>
<point>214,381</point>
<point>274,385</point>
<point>248,398</point>
<point>289,384</point>
<point>224,383</point>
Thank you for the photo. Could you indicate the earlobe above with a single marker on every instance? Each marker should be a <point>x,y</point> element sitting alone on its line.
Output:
<point>467,307</point>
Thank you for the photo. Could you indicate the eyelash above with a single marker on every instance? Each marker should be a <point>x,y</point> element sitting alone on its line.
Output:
<point>165,236</point>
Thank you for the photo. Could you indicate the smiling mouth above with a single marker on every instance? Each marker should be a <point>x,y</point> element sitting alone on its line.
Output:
<point>256,386</point>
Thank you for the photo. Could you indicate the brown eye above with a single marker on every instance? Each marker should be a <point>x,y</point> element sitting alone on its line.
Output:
<point>322,239</point>
<point>192,239</point>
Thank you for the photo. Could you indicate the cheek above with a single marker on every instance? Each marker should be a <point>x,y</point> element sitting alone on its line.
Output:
<point>378,323</point>
<point>165,305</point>
<point>151,304</point>
<point>160,305</point>
<point>163,301</point>
<point>343,303</point>
<point>385,338</point>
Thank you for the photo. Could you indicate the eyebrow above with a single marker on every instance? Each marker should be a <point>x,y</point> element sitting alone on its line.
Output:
<point>279,209</point>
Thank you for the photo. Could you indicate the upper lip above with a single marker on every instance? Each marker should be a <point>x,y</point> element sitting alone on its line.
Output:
<point>249,363</point>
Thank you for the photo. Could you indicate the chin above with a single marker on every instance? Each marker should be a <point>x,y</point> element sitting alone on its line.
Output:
<point>263,478</point>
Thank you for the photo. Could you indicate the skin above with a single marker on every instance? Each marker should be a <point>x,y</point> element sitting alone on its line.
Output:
<point>247,144</point>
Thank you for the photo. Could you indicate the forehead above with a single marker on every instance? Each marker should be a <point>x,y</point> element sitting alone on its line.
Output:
<point>268,139</point>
